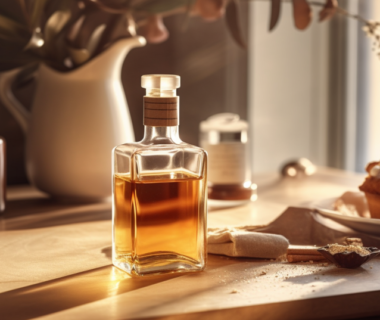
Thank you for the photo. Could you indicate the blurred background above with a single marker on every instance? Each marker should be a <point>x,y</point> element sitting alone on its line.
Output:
<point>312,93</point>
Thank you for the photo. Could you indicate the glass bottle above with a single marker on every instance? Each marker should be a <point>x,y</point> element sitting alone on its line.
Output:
<point>225,138</point>
<point>159,191</point>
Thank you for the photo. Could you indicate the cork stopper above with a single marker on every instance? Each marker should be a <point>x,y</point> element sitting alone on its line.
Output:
<point>161,104</point>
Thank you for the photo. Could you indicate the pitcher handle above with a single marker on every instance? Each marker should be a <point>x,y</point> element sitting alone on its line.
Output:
<point>7,97</point>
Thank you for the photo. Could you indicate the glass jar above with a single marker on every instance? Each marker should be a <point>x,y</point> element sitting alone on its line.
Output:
<point>225,138</point>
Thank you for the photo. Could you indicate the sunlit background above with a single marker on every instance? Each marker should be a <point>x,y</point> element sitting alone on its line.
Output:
<point>312,93</point>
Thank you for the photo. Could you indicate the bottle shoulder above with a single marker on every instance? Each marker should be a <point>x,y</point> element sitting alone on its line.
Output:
<point>140,147</point>
<point>143,161</point>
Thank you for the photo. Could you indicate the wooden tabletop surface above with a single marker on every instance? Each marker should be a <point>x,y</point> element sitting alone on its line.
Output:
<point>55,263</point>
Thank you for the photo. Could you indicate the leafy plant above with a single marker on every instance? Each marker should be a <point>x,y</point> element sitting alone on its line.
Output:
<point>65,34</point>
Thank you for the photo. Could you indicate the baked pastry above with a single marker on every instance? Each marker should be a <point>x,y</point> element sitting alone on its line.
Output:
<point>371,188</point>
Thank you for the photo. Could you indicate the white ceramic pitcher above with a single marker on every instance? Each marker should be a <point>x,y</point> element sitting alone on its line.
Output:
<point>76,119</point>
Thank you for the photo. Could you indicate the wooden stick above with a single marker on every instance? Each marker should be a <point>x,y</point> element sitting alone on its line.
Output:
<point>304,257</point>
<point>303,250</point>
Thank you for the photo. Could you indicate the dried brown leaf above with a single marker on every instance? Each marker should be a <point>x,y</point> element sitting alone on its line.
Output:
<point>24,11</point>
<point>328,10</point>
<point>210,10</point>
<point>275,13</point>
<point>154,30</point>
<point>232,20</point>
<point>302,14</point>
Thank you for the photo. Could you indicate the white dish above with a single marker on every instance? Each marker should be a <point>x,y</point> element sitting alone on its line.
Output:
<point>365,225</point>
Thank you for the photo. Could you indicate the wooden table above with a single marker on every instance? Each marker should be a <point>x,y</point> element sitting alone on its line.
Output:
<point>55,263</point>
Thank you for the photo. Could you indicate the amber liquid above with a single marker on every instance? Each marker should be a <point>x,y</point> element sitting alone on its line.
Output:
<point>157,220</point>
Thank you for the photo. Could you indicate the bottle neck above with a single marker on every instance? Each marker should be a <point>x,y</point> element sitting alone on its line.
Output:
<point>161,135</point>
<point>160,93</point>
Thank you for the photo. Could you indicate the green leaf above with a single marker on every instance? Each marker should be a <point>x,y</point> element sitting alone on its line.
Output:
<point>37,12</point>
<point>12,30</point>
<point>24,11</point>
<point>275,13</point>
<point>55,24</point>
<point>160,6</point>
<point>94,40</point>
<point>36,40</point>
<point>12,56</point>
<point>26,75</point>
<point>232,20</point>
<point>61,5</point>
<point>11,10</point>
<point>10,39</point>
<point>79,56</point>
<point>186,20</point>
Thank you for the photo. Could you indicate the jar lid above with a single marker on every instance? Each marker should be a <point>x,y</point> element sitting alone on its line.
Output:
<point>224,122</point>
<point>161,81</point>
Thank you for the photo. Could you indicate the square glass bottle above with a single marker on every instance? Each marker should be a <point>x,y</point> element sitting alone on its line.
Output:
<point>159,191</point>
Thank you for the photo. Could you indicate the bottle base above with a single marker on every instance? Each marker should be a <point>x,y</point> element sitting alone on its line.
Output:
<point>157,263</point>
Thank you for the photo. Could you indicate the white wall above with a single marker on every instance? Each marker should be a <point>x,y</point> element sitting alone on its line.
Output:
<point>367,88</point>
<point>288,89</point>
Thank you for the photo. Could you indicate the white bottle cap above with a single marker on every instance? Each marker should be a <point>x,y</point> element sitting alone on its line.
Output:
<point>224,122</point>
<point>160,81</point>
